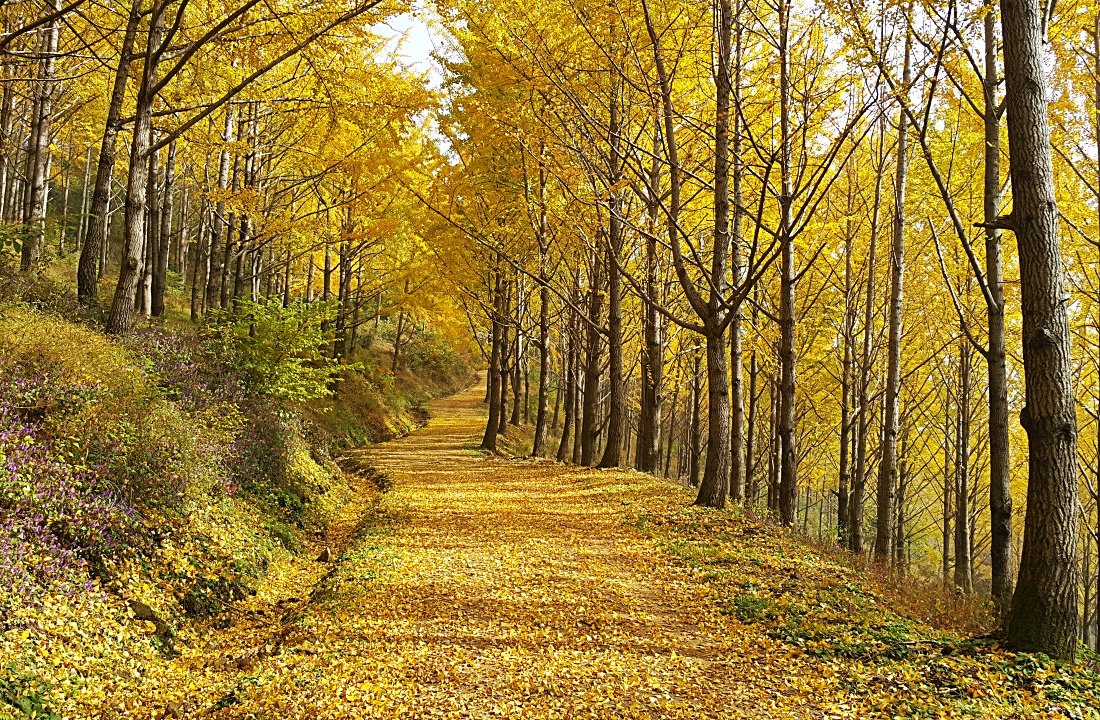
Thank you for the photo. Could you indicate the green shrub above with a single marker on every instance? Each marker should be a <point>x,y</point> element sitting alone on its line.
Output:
<point>279,352</point>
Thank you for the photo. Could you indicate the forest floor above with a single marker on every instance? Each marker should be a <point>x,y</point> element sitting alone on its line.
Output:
<point>482,587</point>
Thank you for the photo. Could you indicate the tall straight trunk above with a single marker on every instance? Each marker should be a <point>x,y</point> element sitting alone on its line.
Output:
<point>863,415</point>
<point>38,155</point>
<point>121,317</point>
<point>847,330</point>
<point>505,354</point>
<point>899,505</point>
<point>670,431</point>
<point>569,399</point>
<point>63,228</point>
<point>1096,131</point>
<point>788,439</point>
<point>85,199</point>
<point>1000,478</point>
<point>752,478</point>
<point>152,235</point>
<point>95,241</point>
<point>164,234</point>
<point>696,435</point>
<point>7,139</point>
<point>616,417</point>
<point>543,400</point>
<point>964,571</point>
<point>948,492</point>
<point>200,264</point>
<point>589,408</point>
<point>714,488</point>
<point>773,448</point>
<point>648,455</point>
<point>1044,606</point>
<point>737,395</point>
<point>888,464</point>
<point>217,223</point>
<point>489,439</point>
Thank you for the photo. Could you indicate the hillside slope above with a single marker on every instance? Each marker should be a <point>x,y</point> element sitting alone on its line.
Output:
<point>152,496</point>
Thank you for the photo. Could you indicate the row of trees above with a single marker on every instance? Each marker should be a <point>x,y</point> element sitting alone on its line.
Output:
<point>767,239</point>
<point>257,150</point>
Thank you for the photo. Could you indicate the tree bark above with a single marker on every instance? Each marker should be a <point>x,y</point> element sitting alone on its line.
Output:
<point>1044,606</point>
<point>489,439</point>
<point>964,571</point>
<point>121,317</point>
<point>788,438</point>
<point>38,155</point>
<point>589,425</point>
<point>1000,478</point>
<point>888,464</point>
<point>88,270</point>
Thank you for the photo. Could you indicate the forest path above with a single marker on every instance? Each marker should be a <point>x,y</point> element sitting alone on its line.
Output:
<point>497,588</point>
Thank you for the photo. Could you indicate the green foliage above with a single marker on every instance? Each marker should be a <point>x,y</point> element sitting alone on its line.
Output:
<point>280,352</point>
<point>22,695</point>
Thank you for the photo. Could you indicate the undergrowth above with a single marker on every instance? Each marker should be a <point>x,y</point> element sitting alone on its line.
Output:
<point>882,650</point>
<point>149,483</point>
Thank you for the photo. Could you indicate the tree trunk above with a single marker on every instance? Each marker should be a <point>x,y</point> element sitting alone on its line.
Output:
<point>612,455</point>
<point>863,415</point>
<point>38,155</point>
<point>589,408</point>
<point>888,464</point>
<point>737,395</point>
<point>695,438</point>
<point>788,438</point>
<point>1000,478</point>
<point>96,236</point>
<point>164,234</point>
<point>1044,607</point>
<point>543,401</point>
<point>217,223</point>
<point>569,399</point>
<point>121,317</point>
<point>489,439</point>
<point>964,571</point>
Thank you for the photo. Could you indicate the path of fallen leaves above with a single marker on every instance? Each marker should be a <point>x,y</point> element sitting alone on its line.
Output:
<point>493,588</point>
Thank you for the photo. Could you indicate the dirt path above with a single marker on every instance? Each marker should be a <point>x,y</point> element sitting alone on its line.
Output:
<point>494,588</point>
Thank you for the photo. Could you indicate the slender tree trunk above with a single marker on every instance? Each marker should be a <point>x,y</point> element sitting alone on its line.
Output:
<point>696,436</point>
<point>95,240</point>
<point>714,488</point>
<point>616,417</point>
<point>200,264</point>
<point>217,224</point>
<point>737,395</point>
<point>1000,478</point>
<point>648,456</point>
<point>121,317</point>
<point>948,492</point>
<point>543,400</point>
<point>38,156</point>
<point>489,439</point>
<point>164,234</point>
<point>845,476</point>
<point>788,438</point>
<point>569,400</point>
<point>1044,606</point>
<point>888,464</point>
<point>964,571</point>
<point>589,424</point>
<point>863,416</point>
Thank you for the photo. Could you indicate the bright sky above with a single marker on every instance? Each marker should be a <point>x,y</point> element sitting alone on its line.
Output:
<point>413,40</point>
